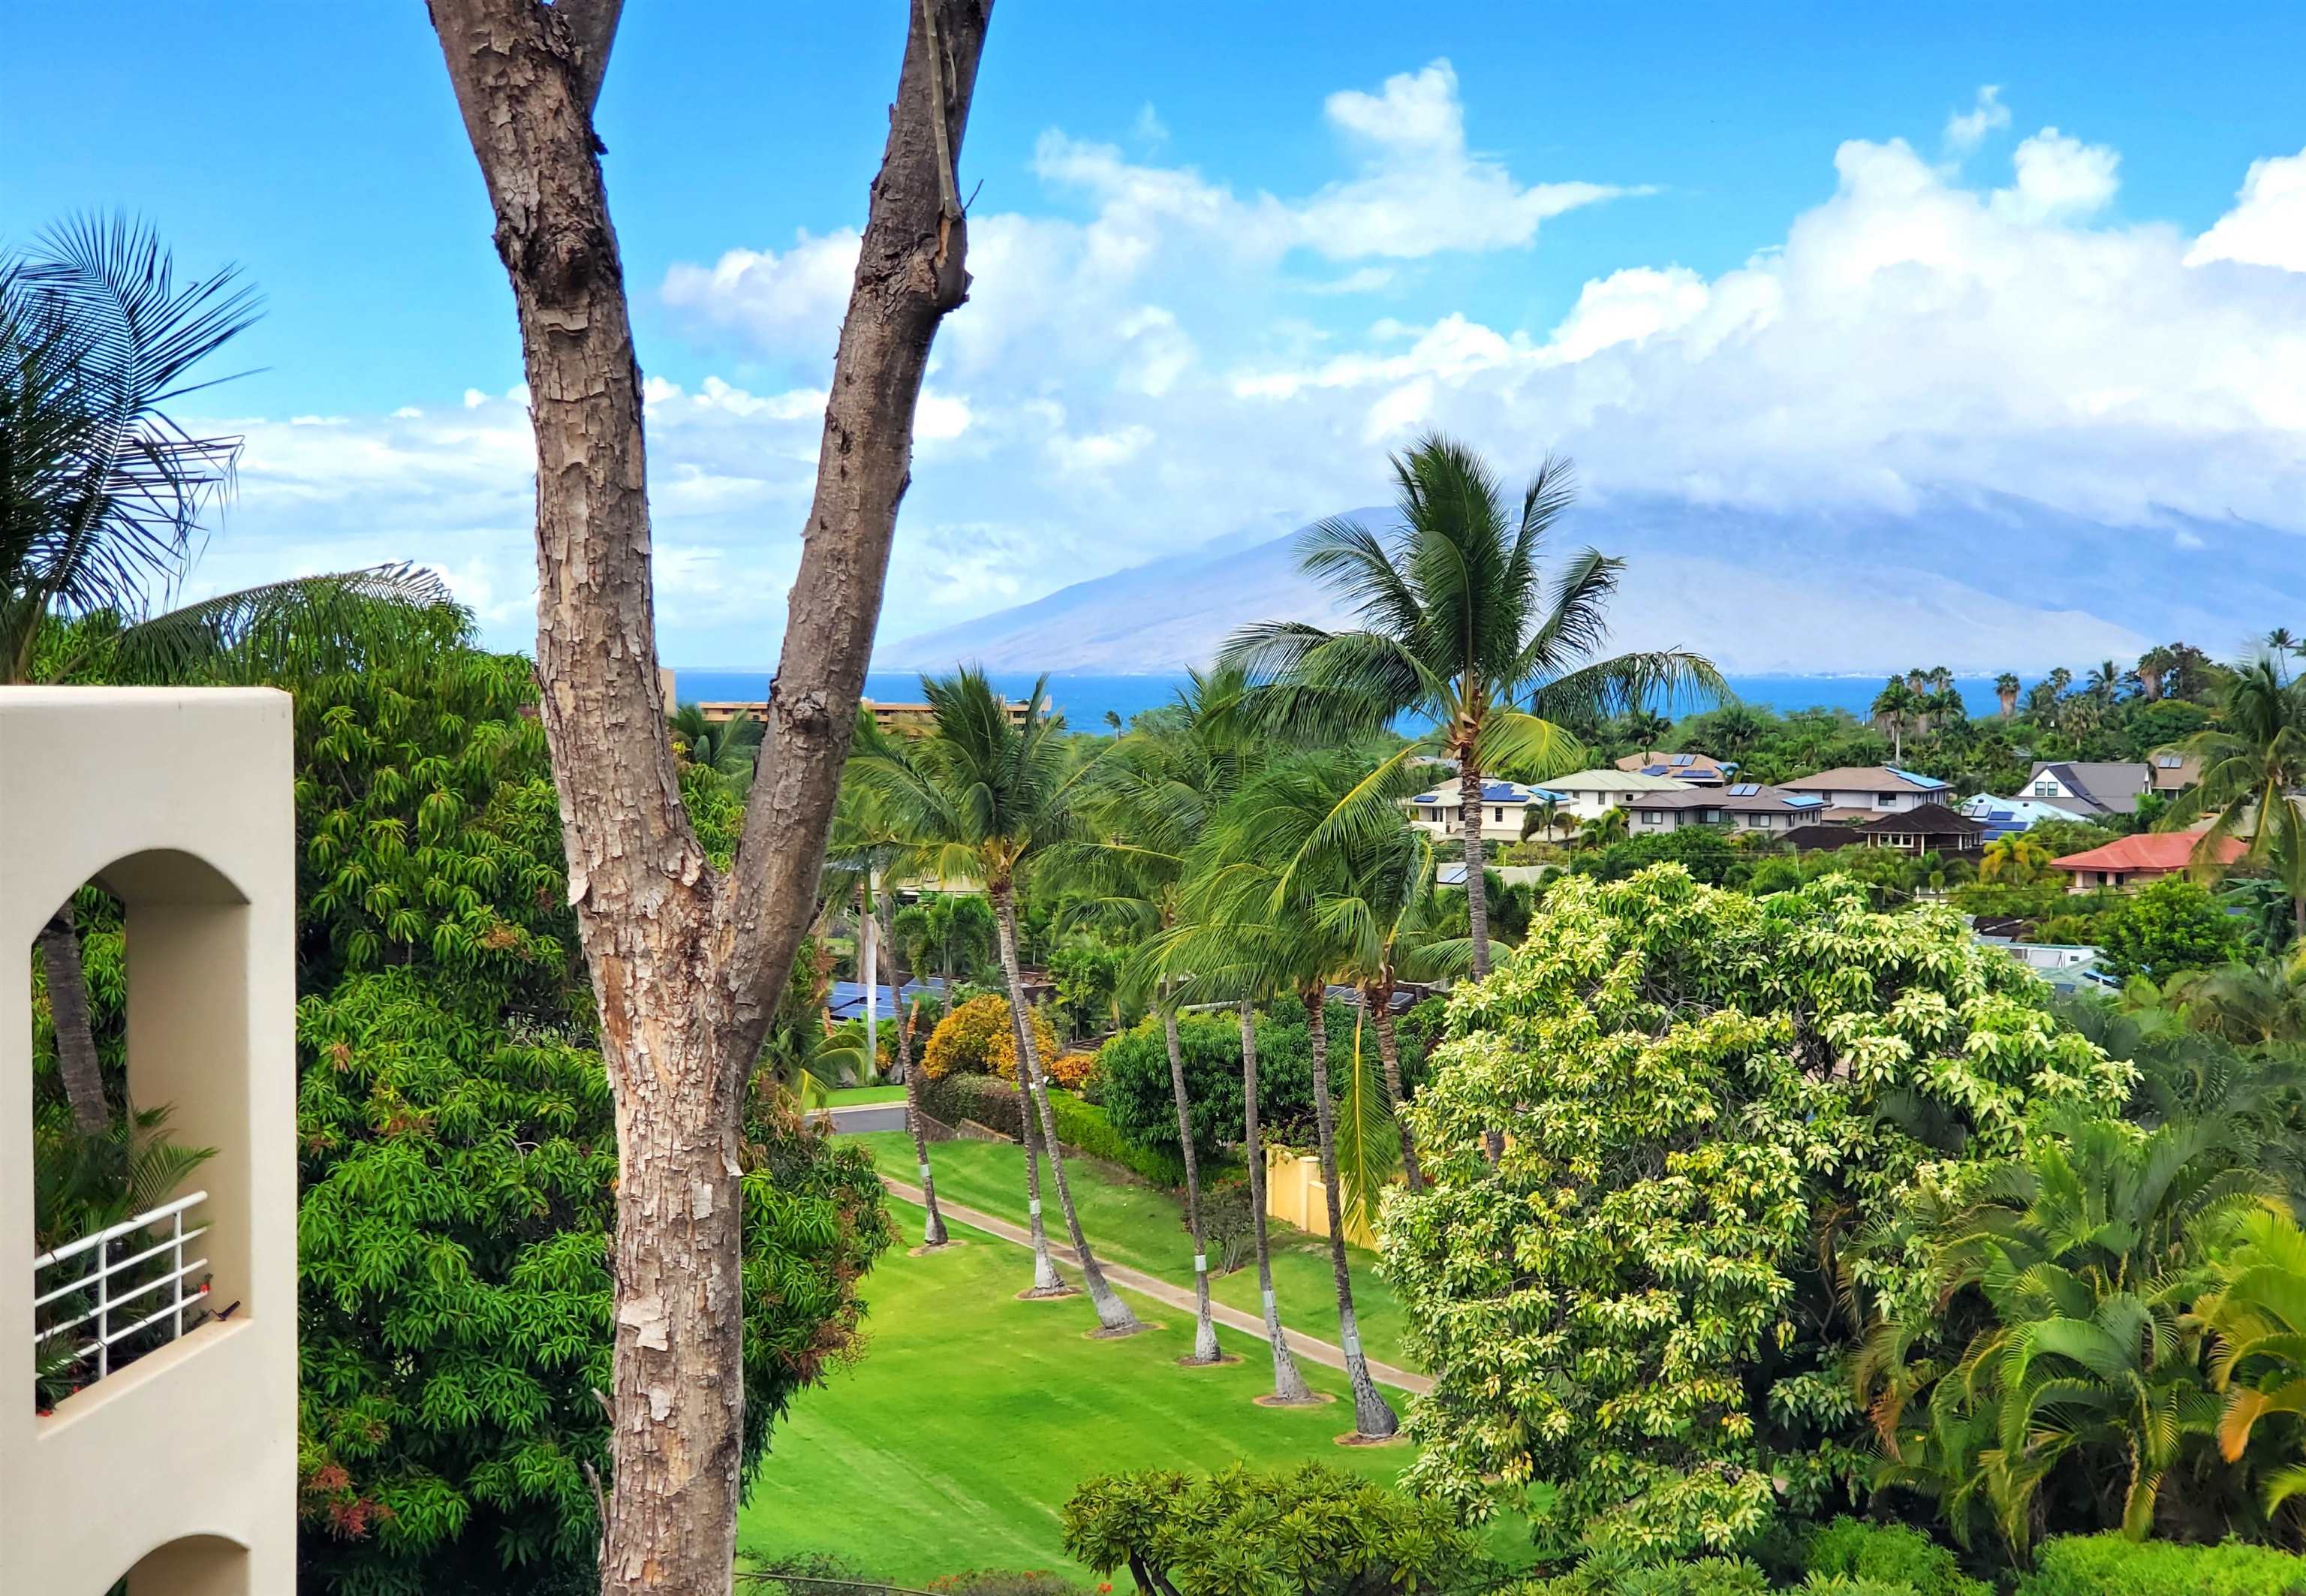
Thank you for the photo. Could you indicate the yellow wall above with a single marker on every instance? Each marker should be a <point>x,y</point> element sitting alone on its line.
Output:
<point>1294,1193</point>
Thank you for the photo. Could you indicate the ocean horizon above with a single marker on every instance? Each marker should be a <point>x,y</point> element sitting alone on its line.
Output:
<point>1085,700</point>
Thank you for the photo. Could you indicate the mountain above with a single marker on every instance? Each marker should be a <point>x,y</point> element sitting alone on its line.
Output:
<point>1975,581</point>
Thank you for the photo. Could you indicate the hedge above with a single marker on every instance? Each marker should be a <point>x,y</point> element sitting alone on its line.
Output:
<point>992,1103</point>
<point>1084,1126</point>
<point>1896,1555</point>
<point>2111,1566</point>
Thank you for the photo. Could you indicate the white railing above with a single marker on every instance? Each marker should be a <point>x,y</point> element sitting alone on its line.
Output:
<point>102,1285</point>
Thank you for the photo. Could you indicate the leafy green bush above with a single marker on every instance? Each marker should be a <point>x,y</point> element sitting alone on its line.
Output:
<point>1133,1073</point>
<point>1701,1091</point>
<point>1893,1555</point>
<point>1310,1530</point>
<point>2111,1566</point>
<point>1084,1126</point>
<point>2170,926</point>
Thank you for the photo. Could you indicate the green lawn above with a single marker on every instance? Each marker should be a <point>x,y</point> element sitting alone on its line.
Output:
<point>971,1417</point>
<point>849,1094</point>
<point>1143,1227</point>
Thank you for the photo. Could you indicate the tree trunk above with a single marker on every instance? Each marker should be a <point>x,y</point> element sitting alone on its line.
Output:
<point>77,1063</point>
<point>1372,1417</point>
<point>1112,1313</point>
<point>932,1232</point>
<point>869,968</point>
<point>1288,1385</point>
<point>1046,1282</point>
<point>1205,1329</point>
<point>687,966</point>
<point>1477,889</point>
<point>1378,1001</point>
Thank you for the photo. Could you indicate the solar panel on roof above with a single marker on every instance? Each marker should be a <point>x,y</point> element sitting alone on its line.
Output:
<point>1679,759</point>
<point>1653,770</point>
<point>1745,789</point>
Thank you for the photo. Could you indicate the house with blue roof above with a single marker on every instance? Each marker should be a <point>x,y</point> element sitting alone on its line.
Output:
<point>1503,805</point>
<point>1741,806</point>
<point>1686,770</point>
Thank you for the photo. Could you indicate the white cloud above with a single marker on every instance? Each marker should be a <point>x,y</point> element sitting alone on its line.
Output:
<point>2267,226</point>
<point>1965,131</point>
<point>1149,128</point>
<point>2059,179</point>
<point>1158,365</point>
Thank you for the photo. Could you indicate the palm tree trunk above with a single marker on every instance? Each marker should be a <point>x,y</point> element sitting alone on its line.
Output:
<point>76,1058</point>
<point>1372,1418</point>
<point>1205,1329</point>
<point>1046,1282</point>
<point>932,1232</point>
<point>1477,890</point>
<point>1112,1313</point>
<point>1288,1385</point>
<point>1378,1002</point>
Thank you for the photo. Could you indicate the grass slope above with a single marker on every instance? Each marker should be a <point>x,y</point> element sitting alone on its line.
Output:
<point>972,1417</point>
<point>849,1094</point>
<point>1143,1227</point>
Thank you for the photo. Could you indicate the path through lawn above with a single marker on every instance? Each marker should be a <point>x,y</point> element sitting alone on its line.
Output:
<point>1141,1226</point>
<point>971,1417</point>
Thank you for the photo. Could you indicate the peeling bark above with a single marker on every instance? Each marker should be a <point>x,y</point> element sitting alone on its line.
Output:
<point>78,1064</point>
<point>687,965</point>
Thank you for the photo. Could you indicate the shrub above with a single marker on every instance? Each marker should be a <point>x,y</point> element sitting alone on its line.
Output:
<point>2170,926</point>
<point>1895,1555</point>
<point>1133,1073</point>
<point>978,1039</point>
<point>1072,1071</point>
<point>1228,1223</point>
<point>1004,1581</point>
<point>1692,1081</point>
<point>2111,1566</point>
<point>1605,1575</point>
<point>992,1103</point>
<point>1311,1530</point>
<point>1084,1126</point>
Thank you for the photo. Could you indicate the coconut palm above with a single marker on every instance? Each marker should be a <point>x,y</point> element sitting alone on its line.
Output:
<point>1270,905</point>
<point>2104,684</point>
<point>2154,667</point>
<point>102,499</point>
<point>2005,688</point>
<point>2252,763</point>
<point>1897,703</point>
<point>1151,800</point>
<point>1460,631</point>
<point>864,841</point>
<point>982,797</point>
<point>1540,817</point>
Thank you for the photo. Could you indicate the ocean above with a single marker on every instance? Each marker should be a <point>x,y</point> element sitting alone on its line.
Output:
<point>1085,700</point>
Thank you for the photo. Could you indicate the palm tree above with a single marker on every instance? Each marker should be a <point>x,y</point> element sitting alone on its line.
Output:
<point>1269,907</point>
<point>2105,683</point>
<point>1603,829</point>
<point>864,841</point>
<point>2252,764</point>
<point>2154,667</point>
<point>1892,706</point>
<point>1460,631</point>
<point>2005,688</point>
<point>1540,817</point>
<point>1732,731</point>
<point>1152,799</point>
<point>2281,644</point>
<point>981,797</point>
<point>731,747</point>
<point>102,497</point>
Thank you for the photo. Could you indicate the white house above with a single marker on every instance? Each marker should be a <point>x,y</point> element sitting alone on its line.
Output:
<point>1586,795</point>
<point>1503,804</point>
<point>1879,787</point>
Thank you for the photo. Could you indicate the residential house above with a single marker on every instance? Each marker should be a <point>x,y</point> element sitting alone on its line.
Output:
<point>1875,789</point>
<point>1503,805</point>
<point>2087,789</point>
<point>2130,861</point>
<point>1695,770</point>
<point>2004,818</point>
<point>2174,773</point>
<point>1587,795</point>
<point>1742,806</point>
<point>1927,828</point>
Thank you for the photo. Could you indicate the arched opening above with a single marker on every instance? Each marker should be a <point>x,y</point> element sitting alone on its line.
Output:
<point>140,1118</point>
<point>196,1566</point>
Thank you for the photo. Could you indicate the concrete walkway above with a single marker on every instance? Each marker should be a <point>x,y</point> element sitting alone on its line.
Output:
<point>1326,1353</point>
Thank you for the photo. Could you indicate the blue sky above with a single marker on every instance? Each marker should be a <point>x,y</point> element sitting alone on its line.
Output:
<point>1305,279</point>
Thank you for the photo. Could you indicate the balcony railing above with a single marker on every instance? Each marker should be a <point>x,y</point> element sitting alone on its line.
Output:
<point>126,1299</point>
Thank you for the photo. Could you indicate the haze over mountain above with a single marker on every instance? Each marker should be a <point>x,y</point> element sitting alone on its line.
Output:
<point>1979,582</point>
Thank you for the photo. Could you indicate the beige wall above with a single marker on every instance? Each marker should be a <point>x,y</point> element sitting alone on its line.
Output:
<point>181,1470</point>
<point>1296,1194</point>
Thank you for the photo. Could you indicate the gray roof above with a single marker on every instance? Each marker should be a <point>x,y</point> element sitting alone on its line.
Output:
<point>1742,797</point>
<point>2105,786</point>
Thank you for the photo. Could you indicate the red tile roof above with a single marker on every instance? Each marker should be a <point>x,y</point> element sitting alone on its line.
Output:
<point>2148,850</point>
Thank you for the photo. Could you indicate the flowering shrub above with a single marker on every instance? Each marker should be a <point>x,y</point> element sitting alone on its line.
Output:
<point>977,1039</point>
